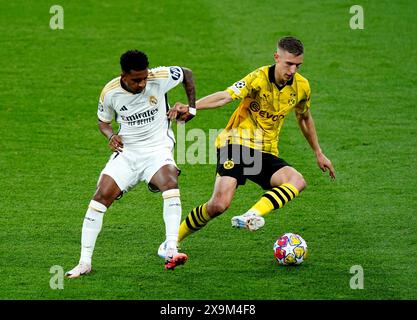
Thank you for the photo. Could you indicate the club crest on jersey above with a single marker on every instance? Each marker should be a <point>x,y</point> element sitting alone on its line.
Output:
<point>292,101</point>
<point>153,101</point>
<point>229,164</point>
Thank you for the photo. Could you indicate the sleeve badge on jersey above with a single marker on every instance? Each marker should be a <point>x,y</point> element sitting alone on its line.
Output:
<point>240,84</point>
<point>175,73</point>
<point>237,86</point>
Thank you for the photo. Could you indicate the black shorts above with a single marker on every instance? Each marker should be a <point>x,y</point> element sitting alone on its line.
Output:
<point>243,163</point>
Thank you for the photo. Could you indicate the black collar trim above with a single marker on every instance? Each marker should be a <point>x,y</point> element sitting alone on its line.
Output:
<point>271,77</point>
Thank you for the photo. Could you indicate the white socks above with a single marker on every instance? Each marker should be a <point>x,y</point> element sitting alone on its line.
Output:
<point>172,216</point>
<point>93,222</point>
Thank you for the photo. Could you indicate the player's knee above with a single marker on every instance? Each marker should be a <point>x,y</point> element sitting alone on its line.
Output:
<point>217,206</point>
<point>299,182</point>
<point>169,184</point>
<point>103,197</point>
<point>103,200</point>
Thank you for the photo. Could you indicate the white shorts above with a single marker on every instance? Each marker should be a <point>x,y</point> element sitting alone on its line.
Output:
<point>131,166</point>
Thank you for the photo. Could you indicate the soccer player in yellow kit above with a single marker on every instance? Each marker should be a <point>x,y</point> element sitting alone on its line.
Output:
<point>248,147</point>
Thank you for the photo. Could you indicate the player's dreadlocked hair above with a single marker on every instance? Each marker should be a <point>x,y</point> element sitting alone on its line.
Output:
<point>134,60</point>
<point>292,45</point>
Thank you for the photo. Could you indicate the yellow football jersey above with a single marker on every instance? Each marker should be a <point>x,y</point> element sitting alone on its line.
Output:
<point>257,121</point>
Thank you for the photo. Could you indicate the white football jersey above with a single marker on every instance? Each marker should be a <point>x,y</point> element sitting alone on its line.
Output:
<point>142,117</point>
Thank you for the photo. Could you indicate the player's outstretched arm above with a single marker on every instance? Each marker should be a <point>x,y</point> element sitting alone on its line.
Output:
<point>308,128</point>
<point>214,100</point>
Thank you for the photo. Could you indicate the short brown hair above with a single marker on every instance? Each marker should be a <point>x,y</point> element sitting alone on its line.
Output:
<point>292,45</point>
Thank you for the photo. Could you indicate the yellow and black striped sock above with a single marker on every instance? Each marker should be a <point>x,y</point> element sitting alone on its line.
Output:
<point>196,219</point>
<point>275,198</point>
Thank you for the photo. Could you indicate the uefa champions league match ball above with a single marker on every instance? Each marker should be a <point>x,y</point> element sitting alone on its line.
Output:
<point>290,249</point>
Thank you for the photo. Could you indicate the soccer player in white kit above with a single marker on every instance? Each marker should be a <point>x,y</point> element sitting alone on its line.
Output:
<point>142,148</point>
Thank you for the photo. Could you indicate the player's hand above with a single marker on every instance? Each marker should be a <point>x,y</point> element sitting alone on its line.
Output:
<point>325,164</point>
<point>178,109</point>
<point>181,112</point>
<point>116,143</point>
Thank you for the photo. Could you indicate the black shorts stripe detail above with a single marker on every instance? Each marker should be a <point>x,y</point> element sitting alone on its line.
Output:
<point>272,199</point>
<point>169,121</point>
<point>286,188</point>
<point>279,196</point>
<point>166,102</point>
<point>187,221</point>
<point>284,191</point>
<point>194,218</point>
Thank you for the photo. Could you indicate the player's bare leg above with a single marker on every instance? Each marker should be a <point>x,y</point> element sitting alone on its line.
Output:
<point>223,193</point>
<point>166,180</point>
<point>107,191</point>
<point>288,175</point>
<point>224,190</point>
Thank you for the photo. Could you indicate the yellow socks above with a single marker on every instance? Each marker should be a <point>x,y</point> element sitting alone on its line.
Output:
<point>196,219</point>
<point>275,198</point>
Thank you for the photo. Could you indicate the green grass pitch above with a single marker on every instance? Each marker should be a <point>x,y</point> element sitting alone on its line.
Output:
<point>51,152</point>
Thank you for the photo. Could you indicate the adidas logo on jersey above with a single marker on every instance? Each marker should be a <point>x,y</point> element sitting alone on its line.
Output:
<point>123,108</point>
